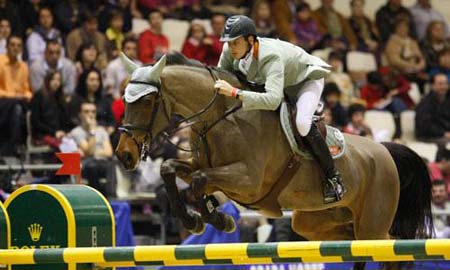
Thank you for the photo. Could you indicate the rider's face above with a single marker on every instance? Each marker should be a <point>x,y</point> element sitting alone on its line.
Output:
<point>238,47</point>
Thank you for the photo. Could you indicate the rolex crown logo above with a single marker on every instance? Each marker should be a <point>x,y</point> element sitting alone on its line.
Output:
<point>35,231</point>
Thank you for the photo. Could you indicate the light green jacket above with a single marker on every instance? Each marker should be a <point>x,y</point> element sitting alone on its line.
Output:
<point>279,65</point>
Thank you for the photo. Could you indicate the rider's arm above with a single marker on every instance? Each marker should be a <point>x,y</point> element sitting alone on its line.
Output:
<point>272,68</point>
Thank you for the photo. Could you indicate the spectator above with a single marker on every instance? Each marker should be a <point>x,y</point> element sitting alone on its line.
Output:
<point>88,33</point>
<point>114,33</point>
<point>397,85</point>
<point>43,32</point>
<point>306,29</point>
<point>443,64</point>
<point>116,73</point>
<point>69,15</point>
<point>5,32</point>
<point>339,33</point>
<point>433,43</point>
<point>212,41</point>
<point>94,147</point>
<point>342,79</point>
<point>120,6</point>
<point>50,118</point>
<point>262,17</point>
<point>152,43</point>
<point>403,54</point>
<point>433,115</point>
<point>441,170</point>
<point>118,105</point>
<point>423,14</point>
<point>193,46</point>
<point>364,29</point>
<point>90,89</point>
<point>29,13</point>
<point>283,18</point>
<point>53,61</point>
<point>356,125</point>
<point>145,7</point>
<point>440,202</point>
<point>234,7</point>
<point>10,11</point>
<point>387,16</point>
<point>331,96</point>
<point>15,92</point>
<point>379,96</point>
<point>86,58</point>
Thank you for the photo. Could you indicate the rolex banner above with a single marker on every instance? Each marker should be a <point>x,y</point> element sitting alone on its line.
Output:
<point>58,216</point>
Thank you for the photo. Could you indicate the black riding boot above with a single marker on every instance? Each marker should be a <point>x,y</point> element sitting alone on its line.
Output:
<point>332,186</point>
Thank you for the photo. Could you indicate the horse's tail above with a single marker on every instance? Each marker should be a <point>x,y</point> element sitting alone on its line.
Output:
<point>413,218</point>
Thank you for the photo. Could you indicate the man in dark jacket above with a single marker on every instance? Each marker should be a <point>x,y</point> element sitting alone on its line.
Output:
<point>433,115</point>
<point>387,15</point>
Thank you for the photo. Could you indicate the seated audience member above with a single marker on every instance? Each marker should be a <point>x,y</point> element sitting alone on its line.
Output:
<point>423,14</point>
<point>434,43</point>
<point>379,96</point>
<point>94,147</point>
<point>388,14</point>
<point>87,33</point>
<point>443,64</point>
<point>440,202</point>
<point>331,96</point>
<point>90,89</point>
<point>194,46</point>
<point>53,61</point>
<point>364,29</point>
<point>37,40</point>
<point>50,118</point>
<point>152,42</point>
<point>212,41</point>
<point>356,125</point>
<point>114,32</point>
<point>397,85</point>
<point>340,35</point>
<point>69,15</point>
<point>261,15</point>
<point>306,29</point>
<point>15,93</point>
<point>441,170</point>
<point>342,79</point>
<point>86,58</point>
<point>5,32</point>
<point>433,115</point>
<point>123,7</point>
<point>115,71</point>
<point>403,54</point>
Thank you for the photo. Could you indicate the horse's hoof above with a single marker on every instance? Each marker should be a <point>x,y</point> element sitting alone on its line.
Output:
<point>230,225</point>
<point>199,227</point>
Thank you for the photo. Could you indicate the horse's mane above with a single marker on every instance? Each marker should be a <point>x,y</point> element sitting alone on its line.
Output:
<point>177,58</point>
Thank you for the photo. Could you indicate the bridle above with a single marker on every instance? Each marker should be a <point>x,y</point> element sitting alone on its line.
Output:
<point>145,147</point>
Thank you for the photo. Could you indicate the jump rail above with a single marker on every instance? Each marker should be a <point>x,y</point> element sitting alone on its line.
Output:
<point>240,253</point>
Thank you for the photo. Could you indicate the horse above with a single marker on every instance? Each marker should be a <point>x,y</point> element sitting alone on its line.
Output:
<point>246,155</point>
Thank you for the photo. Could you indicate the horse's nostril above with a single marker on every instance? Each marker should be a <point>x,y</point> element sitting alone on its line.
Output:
<point>126,157</point>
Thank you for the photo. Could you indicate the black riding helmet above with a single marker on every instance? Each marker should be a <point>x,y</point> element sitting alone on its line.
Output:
<point>238,26</point>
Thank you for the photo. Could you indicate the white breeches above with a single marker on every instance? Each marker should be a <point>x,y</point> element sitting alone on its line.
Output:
<point>307,102</point>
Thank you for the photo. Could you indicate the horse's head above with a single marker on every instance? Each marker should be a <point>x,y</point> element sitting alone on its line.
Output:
<point>143,118</point>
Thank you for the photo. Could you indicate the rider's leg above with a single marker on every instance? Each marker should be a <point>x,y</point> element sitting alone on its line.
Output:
<point>309,98</point>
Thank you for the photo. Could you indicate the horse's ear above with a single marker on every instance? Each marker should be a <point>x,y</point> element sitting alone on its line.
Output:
<point>157,69</point>
<point>130,66</point>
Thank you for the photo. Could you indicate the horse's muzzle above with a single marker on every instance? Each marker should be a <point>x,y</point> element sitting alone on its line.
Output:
<point>126,158</point>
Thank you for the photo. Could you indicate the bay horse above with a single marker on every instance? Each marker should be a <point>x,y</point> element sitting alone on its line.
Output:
<point>244,153</point>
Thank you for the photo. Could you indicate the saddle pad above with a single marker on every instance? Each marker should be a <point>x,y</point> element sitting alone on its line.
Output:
<point>335,140</point>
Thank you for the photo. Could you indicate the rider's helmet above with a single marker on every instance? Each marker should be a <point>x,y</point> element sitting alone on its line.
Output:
<point>237,26</point>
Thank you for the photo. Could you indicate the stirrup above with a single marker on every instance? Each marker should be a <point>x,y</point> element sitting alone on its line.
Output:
<point>333,189</point>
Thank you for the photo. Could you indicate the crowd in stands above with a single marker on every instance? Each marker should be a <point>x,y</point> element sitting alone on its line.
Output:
<point>59,63</point>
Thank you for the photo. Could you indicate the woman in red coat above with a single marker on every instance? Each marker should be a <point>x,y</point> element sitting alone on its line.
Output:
<point>195,46</point>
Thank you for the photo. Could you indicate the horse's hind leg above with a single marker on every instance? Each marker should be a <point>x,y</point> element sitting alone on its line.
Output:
<point>169,169</point>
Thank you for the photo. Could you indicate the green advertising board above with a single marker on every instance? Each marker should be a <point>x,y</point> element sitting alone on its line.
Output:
<point>58,216</point>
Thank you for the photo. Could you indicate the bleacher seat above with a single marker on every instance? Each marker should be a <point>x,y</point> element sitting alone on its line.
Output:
<point>361,62</point>
<point>382,124</point>
<point>426,150</point>
<point>414,93</point>
<point>176,31</point>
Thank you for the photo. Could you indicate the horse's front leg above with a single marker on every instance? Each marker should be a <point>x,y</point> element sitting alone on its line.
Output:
<point>169,170</point>
<point>220,177</point>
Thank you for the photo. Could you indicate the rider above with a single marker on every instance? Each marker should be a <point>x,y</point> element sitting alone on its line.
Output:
<point>283,68</point>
